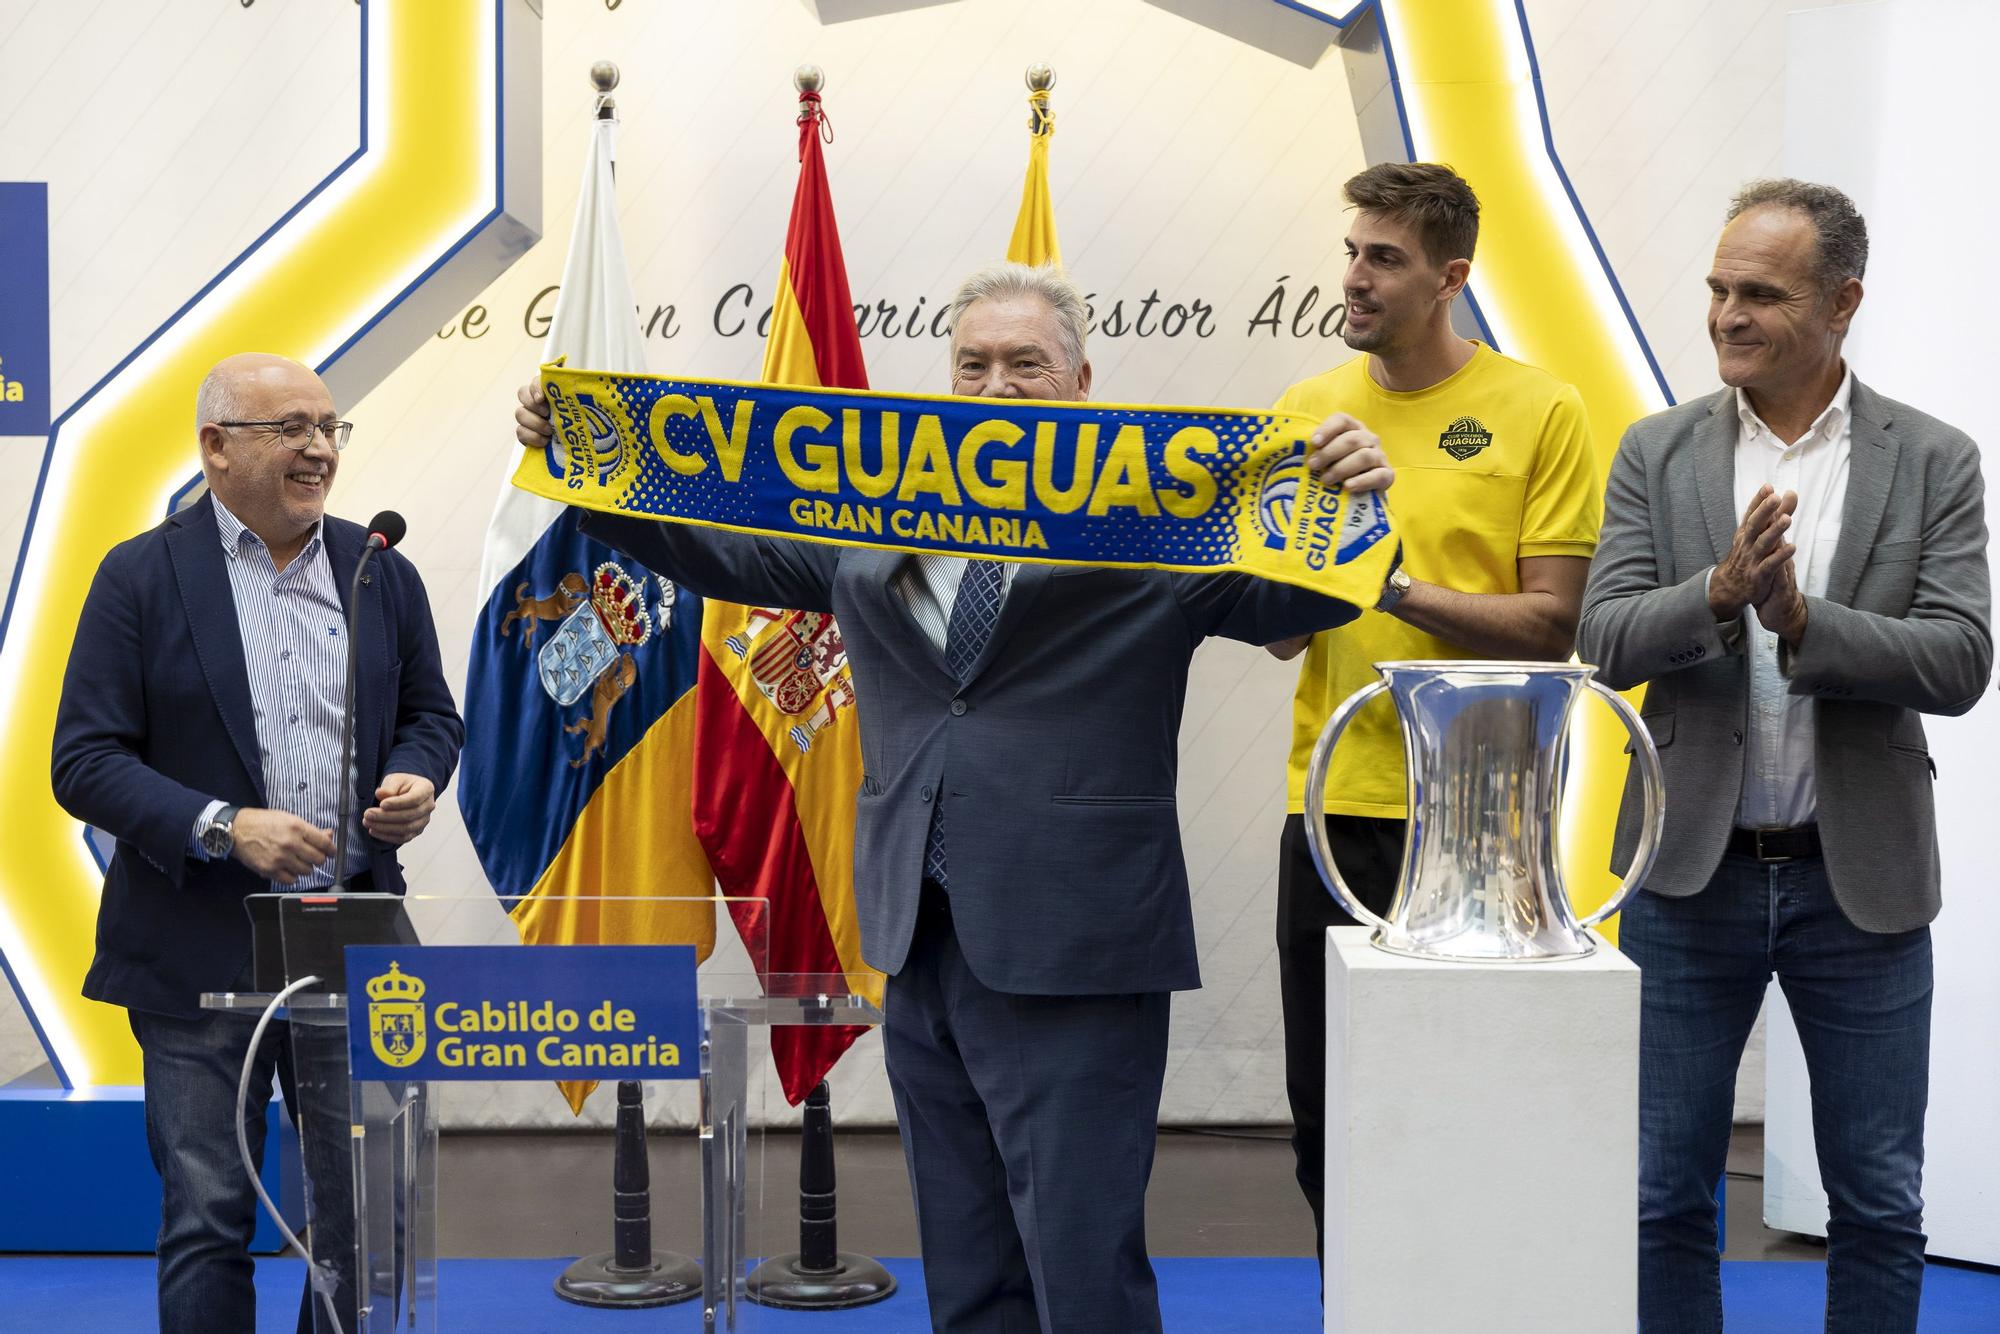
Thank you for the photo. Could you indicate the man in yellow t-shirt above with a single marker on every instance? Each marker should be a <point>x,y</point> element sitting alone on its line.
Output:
<point>1497,503</point>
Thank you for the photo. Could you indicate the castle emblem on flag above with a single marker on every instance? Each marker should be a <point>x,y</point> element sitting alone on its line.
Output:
<point>396,1017</point>
<point>798,661</point>
<point>603,619</point>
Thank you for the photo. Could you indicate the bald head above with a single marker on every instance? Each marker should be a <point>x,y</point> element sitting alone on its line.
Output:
<point>232,382</point>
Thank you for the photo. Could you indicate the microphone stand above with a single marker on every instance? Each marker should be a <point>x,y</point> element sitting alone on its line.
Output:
<point>375,543</point>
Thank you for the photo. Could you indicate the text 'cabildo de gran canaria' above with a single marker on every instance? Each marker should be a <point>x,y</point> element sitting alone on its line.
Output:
<point>516,1035</point>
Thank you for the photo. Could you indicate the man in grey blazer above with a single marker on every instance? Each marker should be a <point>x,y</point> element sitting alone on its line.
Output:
<point>1788,655</point>
<point>1017,851</point>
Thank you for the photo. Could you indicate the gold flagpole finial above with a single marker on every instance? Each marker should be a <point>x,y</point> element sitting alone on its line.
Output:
<point>809,78</point>
<point>604,77</point>
<point>1040,78</point>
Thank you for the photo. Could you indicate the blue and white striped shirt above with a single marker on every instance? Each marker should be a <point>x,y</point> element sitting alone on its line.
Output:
<point>928,585</point>
<point>295,652</point>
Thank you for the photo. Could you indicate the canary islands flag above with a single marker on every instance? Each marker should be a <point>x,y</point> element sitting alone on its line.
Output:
<point>579,699</point>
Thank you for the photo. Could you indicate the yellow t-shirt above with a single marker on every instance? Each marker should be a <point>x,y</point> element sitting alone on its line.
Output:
<point>1493,464</point>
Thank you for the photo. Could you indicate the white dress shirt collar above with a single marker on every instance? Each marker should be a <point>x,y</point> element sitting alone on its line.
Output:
<point>1826,426</point>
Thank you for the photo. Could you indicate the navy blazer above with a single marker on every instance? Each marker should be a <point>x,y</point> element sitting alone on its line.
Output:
<point>1059,757</point>
<point>156,722</point>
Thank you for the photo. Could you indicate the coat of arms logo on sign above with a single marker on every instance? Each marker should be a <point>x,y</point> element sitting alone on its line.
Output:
<point>396,1017</point>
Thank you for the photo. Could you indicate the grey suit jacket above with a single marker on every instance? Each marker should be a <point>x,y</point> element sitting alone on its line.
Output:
<point>1057,758</point>
<point>1903,630</point>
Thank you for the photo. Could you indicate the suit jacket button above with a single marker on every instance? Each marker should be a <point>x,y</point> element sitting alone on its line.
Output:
<point>1737,736</point>
<point>958,708</point>
<point>925,792</point>
<point>1700,649</point>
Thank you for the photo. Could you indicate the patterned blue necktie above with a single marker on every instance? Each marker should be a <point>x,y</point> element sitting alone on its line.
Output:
<point>974,613</point>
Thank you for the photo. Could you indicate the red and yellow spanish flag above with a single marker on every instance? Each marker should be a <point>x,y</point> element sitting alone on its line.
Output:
<point>777,756</point>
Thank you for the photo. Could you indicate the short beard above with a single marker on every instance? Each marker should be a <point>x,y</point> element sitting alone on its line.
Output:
<point>1374,340</point>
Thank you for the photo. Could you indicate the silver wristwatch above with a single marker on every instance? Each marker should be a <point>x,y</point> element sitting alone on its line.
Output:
<point>219,838</point>
<point>1393,588</point>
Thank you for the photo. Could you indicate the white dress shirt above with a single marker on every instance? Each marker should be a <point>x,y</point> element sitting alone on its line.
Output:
<point>928,586</point>
<point>1779,787</point>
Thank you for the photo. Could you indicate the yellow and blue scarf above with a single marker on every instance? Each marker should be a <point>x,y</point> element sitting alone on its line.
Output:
<point>1196,489</point>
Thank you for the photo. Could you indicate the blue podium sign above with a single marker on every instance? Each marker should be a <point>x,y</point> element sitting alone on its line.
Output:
<point>504,1012</point>
<point>24,308</point>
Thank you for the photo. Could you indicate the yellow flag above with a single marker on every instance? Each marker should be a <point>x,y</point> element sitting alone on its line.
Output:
<point>1034,240</point>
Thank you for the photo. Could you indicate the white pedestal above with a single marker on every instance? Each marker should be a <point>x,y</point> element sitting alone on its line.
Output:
<point>1482,1144</point>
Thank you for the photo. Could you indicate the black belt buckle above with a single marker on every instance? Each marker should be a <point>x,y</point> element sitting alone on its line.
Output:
<point>1757,836</point>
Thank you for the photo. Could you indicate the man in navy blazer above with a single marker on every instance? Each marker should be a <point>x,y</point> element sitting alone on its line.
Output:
<point>200,726</point>
<point>1018,865</point>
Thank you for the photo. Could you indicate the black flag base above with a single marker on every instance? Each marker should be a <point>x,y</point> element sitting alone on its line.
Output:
<point>784,1282</point>
<point>632,1274</point>
<point>819,1276</point>
<point>597,1280</point>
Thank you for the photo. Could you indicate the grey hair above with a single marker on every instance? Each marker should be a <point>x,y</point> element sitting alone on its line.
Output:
<point>1046,282</point>
<point>217,399</point>
<point>1843,236</point>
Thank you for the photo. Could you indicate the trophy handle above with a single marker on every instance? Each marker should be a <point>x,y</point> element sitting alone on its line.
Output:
<point>1656,803</point>
<point>1315,802</point>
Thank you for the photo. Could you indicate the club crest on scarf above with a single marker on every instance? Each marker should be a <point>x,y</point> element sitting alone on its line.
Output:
<point>798,661</point>
<point>601,620</point>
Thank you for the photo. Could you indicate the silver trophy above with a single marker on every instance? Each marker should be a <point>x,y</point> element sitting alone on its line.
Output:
<point>1486,745</point>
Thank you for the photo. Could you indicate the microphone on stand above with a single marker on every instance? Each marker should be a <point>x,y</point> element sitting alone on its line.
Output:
<point>385,530</point>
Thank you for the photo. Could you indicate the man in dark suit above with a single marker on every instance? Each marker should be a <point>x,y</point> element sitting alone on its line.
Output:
<point>1788,658</point>
<point>200,726</point>
<point>1018,866</point>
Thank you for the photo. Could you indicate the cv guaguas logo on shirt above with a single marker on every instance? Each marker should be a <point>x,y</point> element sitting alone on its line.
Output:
<point>1464,438</point>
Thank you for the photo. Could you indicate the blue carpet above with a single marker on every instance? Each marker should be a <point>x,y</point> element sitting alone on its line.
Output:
<point>102,1295</point>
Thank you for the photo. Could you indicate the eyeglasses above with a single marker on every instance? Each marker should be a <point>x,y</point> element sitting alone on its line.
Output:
<point>298,435</point>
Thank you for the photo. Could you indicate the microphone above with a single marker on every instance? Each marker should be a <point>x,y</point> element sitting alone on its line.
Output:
<point>385,530</point>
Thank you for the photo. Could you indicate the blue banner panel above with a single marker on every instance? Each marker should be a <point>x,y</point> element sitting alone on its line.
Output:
<point>523,1012</point>
<point>24,308</point>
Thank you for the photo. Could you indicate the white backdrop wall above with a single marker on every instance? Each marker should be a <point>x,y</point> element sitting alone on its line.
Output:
<point>1186,163</point>
<point>1897,141</point>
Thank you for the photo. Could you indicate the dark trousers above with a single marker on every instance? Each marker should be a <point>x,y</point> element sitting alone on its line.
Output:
<point>208,1209</point>
<point>1862,1005</point>
<point>1028,1126</point>
<point>1369,852</point>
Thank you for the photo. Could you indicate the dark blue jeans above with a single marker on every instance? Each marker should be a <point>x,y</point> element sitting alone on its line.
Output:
<point>208,1209</point>
<point>1862,1005</point>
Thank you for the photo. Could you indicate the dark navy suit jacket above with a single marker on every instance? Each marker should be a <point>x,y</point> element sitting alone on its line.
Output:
<point>156,721</point>
<point>1058,759</point>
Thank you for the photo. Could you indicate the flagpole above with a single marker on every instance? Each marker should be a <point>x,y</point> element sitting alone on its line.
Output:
<point>631,1273</point>
<point>819,1276</point>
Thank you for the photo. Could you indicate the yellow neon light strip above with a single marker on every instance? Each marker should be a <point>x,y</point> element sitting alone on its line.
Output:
<point>1469,99</point>
<point>426,181</point>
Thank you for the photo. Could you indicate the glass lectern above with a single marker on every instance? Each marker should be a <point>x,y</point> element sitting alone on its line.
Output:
<point>370,1145</point>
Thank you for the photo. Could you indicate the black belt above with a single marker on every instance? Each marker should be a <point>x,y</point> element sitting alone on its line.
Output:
<point>1776,845</point>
